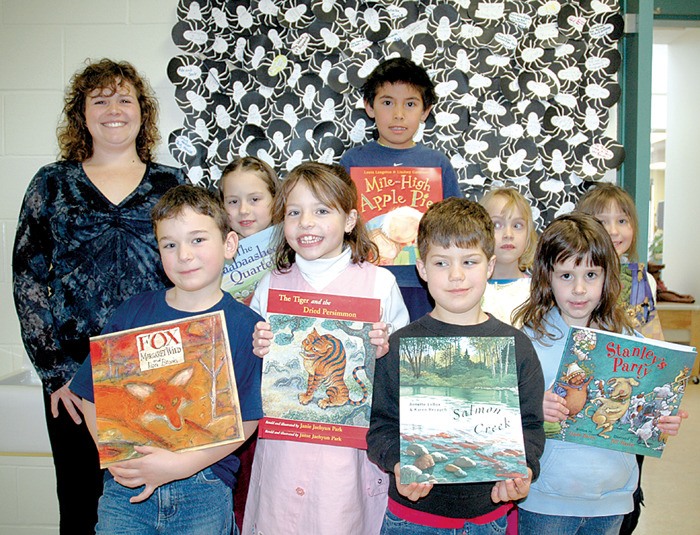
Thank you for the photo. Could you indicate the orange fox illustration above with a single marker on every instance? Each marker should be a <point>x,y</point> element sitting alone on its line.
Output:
<point>136,404</point>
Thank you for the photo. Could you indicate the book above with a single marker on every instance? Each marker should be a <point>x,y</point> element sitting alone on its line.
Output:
<point>317,377</point>
<point>459,418</point>
<point>616,387</point>
<point>392,202</point>
<point>253,259</point>
<point>169,385</point>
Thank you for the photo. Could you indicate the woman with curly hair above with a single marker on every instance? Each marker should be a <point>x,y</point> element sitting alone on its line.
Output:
<point>84,244</point>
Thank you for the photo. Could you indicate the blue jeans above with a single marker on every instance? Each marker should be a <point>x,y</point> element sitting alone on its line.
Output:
<point>538,524</point>
<point>199,505</point>
<point>393,525</point>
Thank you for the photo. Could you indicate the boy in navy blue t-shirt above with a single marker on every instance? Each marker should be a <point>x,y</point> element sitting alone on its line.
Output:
<point>182,492</point>
<point>399,95</point>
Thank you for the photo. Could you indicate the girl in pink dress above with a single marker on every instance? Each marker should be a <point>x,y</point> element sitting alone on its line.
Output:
<point>323,247</point>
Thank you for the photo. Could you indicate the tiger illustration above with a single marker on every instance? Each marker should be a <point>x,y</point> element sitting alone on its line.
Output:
<point>324,361</point>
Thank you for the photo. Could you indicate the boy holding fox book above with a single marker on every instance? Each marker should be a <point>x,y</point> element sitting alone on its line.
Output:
<point>182,492</point>
<point>456,244</point>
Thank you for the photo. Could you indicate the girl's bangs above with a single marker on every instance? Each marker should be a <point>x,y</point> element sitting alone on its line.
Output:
<point>583,253</point>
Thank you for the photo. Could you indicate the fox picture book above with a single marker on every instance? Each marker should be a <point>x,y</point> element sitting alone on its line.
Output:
<point>616,387</point>
<point>317,377</point>
<point>459,419</point>
<point>392,202</point>
<point>169,385</point>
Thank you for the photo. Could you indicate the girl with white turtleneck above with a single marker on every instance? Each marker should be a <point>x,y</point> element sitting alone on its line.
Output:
<point>323,247</point>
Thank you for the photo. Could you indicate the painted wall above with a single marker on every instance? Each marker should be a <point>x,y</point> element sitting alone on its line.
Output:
<point>42,43</point>
<point>681,251</point>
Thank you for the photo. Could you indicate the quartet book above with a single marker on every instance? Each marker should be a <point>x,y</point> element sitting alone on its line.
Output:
<point>392,202</point>
<point>253,259</point>
<point>617,387</point>
<point>459,419</point>
<point>169,385</point>
<point>317,377</point>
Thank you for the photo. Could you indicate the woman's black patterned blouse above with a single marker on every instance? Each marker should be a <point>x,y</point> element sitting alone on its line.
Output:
<point>76,257</point>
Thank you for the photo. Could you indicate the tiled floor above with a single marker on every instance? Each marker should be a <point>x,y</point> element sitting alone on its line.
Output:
<point>671,483</point>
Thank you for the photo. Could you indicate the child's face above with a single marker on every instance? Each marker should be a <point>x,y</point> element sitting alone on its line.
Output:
<point>511,231</point>
<point>397,111</point>
<point>248,202</point>
<point>113,119</point>
<point>456,279</point>
<point>618,225</point>
<point>577,290</point>
<point>193,251</point>
<point>313,229</point>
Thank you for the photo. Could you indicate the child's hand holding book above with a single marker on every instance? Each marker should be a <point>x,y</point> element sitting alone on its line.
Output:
<point>262,338</point>
<point>510,490</point>
<point>672,424</point>
<point>413,491</point>
<point>554,407</point>
<point>379,337</point>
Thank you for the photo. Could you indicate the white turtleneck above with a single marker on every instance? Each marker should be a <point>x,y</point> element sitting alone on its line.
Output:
<point>321,272</point>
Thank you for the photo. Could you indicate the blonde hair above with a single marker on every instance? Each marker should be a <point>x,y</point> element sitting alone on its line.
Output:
<point>516,201</point>
<point>598,199</point>
<point>254,165</point>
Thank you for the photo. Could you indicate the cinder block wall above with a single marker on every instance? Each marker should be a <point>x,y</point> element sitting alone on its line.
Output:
<point>42,43</point>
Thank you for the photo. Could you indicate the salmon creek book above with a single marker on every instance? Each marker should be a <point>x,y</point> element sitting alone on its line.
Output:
<point>392,202</point>
<point>616,387</point>
<point>459,419</point>
<point>253,259</point>
<point>169,385</point>
<point>317,377</point>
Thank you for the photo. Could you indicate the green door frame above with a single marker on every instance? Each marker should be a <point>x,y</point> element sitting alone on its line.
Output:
<point>634,117</point>
<point>634,111</point>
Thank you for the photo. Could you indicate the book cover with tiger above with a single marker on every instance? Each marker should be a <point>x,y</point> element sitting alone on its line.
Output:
<point>169,385</point>
<point>317,377</point>
<point>617,387</point>
<point>459,410</point>
<point>392,202</point>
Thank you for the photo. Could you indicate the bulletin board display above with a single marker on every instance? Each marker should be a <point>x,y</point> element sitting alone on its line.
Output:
<point>525,87</point>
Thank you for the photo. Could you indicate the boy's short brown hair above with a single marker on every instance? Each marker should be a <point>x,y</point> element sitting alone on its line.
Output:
<point>199,199</point>
<point>456,222</point>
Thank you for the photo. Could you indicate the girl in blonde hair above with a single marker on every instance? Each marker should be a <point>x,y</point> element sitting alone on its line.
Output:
<point>614,207</point>
<point>516,240</point>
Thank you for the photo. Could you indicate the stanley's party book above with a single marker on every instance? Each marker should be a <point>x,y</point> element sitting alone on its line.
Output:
<point>616,387</point>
